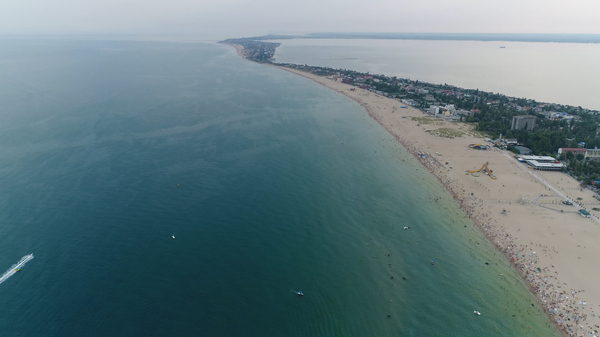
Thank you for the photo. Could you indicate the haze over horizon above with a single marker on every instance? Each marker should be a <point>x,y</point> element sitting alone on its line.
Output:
<point>235,18</point>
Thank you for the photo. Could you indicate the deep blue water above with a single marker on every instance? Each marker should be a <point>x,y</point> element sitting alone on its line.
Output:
<point>270,183</point>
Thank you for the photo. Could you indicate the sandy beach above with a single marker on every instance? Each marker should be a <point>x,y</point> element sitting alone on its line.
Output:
<point>521,212</point>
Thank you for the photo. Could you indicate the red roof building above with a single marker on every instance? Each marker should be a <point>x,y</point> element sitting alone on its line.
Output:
<point>575,150</point>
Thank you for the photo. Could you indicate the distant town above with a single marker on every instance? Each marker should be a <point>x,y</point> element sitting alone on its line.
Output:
<point>521,125</point>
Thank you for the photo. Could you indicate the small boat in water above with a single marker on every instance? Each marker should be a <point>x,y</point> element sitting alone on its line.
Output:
<point>300,293</point>
<point>477,313</point>
<point>18,269</point>
<point>406,227</point>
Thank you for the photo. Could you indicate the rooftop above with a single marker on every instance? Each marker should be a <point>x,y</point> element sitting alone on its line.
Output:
<point>539,158</point>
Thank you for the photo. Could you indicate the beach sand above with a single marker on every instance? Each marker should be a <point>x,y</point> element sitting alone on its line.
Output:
<point>521,212</point>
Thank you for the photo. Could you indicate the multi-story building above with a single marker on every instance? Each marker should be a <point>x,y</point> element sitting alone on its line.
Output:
<point>593,154</point>
<point>526,122</point>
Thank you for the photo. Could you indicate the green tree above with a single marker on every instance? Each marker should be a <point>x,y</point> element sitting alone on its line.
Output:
<point>570,156</point>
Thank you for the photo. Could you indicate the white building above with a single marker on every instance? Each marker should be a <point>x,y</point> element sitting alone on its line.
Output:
<point>545,166</point>
<point>451,108</point>
<point>539,159</point>
<point>593,154</point>
<point>434,110</point>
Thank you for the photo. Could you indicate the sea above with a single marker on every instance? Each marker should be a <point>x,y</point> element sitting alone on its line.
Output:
<point>172,188</point>
<point>549,72</point>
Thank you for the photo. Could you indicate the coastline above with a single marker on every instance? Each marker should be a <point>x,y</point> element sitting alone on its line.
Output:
<point>549,244</point>
<point>239,49</point>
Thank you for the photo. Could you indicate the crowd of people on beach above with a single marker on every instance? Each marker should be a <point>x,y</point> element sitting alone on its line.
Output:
<point>564,306</point>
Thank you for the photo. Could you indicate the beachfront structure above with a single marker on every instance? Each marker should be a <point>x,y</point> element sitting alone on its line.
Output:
<point>434,110</point>
<point>509,141</point>
<point>439,111</point>
<point>523,150</point>
<point>544,166</point>
<point>444,111</point>
<point>543,163</point>
<point>526,122</point>
<point>540,159</point>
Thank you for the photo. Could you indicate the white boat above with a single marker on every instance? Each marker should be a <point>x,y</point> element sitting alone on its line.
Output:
<point>300,293</point>
<point>406,227</point>
<point>477,313</point>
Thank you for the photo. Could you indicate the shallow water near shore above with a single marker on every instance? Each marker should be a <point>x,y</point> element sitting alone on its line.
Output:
<point>270,183</point>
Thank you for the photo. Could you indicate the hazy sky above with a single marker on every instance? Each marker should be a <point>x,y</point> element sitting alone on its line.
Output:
<point>236,18</point>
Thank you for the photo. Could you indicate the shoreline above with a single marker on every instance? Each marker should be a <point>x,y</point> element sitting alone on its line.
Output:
<point>239,49</point>
<point>504,242</point>
<point>547,243</point>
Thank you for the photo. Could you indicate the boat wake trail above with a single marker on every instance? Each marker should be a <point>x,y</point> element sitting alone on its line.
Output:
<point>15,268</point>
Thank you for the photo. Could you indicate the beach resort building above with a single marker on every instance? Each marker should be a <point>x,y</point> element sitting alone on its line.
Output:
<point>442,111</point>
<point>545,166</point>
<point>542,159</point>
<point>451,108</point>
<point>543,163</point>
<point>434,110</point>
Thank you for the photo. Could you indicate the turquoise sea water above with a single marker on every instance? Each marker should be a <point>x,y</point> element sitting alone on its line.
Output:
<point>270,183</point>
